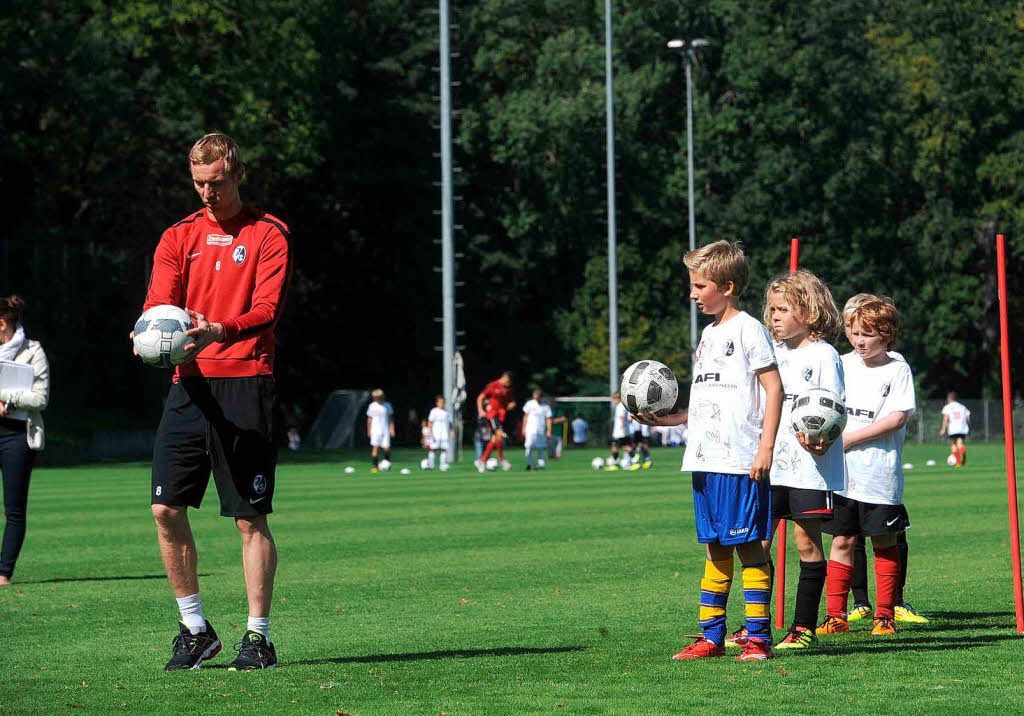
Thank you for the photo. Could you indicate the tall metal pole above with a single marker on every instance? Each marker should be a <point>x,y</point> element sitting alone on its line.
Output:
<point>688,57</point>
<point>613,296</point>
<point>447,247</point>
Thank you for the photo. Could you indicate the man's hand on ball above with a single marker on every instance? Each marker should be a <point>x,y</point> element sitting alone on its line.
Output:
<point>131,337</point>
<point>203,334</point>
<point>817,447</point>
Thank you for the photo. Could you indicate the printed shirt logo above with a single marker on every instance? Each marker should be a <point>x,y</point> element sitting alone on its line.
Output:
<point>885,390</point>
<point>219,239</point>
<point>728,348</point>
<point>238,255</point>
<point>806,373</point>
<point>259,484</point>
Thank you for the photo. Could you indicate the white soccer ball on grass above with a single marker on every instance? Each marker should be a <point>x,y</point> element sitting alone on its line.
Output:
<point>951,460</point>
<point>597,463</point>
<point>491,464</point>
<point>384,464</point>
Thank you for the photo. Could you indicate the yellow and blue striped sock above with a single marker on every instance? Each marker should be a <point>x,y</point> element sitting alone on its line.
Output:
<point>757,585</point>
<point>714,594</point>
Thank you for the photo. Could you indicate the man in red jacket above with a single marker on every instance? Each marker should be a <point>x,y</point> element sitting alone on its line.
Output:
<point>229,266</point>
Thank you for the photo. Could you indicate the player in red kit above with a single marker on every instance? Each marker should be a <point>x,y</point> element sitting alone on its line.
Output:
<point>491,407</point>
<point>229,266</point>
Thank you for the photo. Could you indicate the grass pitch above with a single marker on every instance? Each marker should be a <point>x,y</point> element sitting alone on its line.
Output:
<point>560,591</point>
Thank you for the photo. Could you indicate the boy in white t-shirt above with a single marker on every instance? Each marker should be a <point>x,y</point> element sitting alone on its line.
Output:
<point>956,423</point>
<point>735,405</point>
<point>880,399</point>
<point>439,422</point>
<point>620,432</point>
<point>801,314</point>
<point>380,427</point>
<point>536,430</point>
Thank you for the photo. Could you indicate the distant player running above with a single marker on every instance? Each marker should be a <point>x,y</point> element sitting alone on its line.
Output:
<point>380,428</point>
<point>536,430</point>
<point>439,422</point>
<point>492,406</point>
<point>880,399</point>
<point>956,423</point>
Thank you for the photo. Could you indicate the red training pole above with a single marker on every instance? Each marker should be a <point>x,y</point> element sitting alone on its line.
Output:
<point>1011,469</point>
<point>780,532</point>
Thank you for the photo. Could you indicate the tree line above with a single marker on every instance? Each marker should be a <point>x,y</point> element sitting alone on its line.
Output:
<point>889,137</point>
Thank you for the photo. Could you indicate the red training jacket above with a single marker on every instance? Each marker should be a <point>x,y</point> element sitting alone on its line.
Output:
<point>498,395</point>
<point>236,273</point>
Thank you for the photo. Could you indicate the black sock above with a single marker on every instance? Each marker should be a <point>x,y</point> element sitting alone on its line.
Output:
<point>859,585</point>
<point>808,593</point>
<point>375,458</point>
<point>904,550</point>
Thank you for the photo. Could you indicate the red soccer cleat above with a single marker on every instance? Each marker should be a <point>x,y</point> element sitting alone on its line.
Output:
<point>701,648</point>
<point>756,650</point>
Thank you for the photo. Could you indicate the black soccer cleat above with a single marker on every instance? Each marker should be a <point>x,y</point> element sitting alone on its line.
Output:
<point>255,652</point>
<point>191,650</point>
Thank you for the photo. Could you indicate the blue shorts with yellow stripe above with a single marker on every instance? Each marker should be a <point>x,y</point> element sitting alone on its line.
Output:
<point>731,509</point>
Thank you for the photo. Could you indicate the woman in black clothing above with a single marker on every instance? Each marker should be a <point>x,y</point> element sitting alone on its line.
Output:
<point>22,400</point>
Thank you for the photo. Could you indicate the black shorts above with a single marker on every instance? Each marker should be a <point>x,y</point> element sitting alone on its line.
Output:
<point>638,437</point>
<point>620,442</point>
<point>219,424</point>
<point>853,517</point>
<point>795,503</point>
<point>958,436</point>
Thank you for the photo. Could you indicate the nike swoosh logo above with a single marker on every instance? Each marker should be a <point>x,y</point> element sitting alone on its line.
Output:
<point>192,256</point>
<point>253,502</point>
<point>891,522</point>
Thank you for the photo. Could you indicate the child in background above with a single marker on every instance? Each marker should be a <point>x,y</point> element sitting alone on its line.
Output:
<point>956,422</point>
<point>439,422</point>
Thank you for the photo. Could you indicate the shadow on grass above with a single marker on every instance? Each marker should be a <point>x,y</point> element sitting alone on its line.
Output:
<point>451,654</point>
<point>966,615</point>
<point>907,643</point>
<point>113,578</point>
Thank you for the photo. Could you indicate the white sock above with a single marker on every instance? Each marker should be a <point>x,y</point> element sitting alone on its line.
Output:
<point>444,458</point>
<point>430,459</point>
<point>261,625</point>
<point>191,609</point>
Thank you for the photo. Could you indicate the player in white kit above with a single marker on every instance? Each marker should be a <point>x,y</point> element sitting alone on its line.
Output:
<point>620,431</point>
<point>956,423</point>
<point>536,430</point>
<point>439,422</point>
<point>380,427</point>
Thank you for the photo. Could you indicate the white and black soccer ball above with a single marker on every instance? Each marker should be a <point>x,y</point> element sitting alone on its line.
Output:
<point>491,464</point>
<point>597,463</point>
<point>424,464</point>
<point>649,386</point>
<point>384,464</point>
<point>819,413</point>
<point>951,460</point>
<point>160,336</point>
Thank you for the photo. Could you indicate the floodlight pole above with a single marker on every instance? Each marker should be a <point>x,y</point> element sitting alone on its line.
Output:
<point>447,244</point>
<point>613,298</point>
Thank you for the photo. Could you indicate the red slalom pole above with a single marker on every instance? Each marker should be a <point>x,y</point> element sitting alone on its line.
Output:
<point>1011,469</point>
<point>780,531</point>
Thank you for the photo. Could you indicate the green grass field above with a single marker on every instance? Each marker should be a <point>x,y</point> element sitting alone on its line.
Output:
<point>561,591</point>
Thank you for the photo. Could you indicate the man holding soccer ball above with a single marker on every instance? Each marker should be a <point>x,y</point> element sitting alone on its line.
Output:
<point>229,266</point>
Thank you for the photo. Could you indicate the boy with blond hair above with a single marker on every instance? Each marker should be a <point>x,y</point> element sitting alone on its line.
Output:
<point>732,436</point>
<point>880,392</point>
<point>802,315</point>
<point>380,428</point>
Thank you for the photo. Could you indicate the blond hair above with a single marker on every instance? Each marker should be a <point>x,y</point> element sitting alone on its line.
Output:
<point>377,394</point>
<point>721,262</point>
<point>810,301</point>
<point>853,301</point>
<point>878,314</point>
<point>216,146</point>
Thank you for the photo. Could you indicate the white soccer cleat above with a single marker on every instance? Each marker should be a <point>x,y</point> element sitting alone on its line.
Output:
<point>444,467</point>
<point>540,463</point>
<point>506,465</point>
<point>479,466</point>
